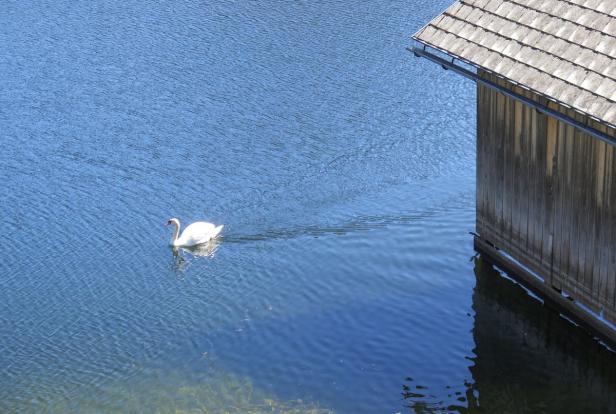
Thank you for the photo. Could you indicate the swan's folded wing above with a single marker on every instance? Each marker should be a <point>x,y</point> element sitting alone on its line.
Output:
<point>199,232</point>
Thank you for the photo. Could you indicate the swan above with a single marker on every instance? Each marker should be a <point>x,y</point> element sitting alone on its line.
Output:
<point>196,233</point>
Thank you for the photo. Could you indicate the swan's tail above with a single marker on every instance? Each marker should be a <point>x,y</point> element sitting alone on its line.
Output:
<point>217,230</point>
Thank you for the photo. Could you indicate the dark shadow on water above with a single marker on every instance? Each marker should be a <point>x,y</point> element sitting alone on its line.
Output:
<point>528,359</point>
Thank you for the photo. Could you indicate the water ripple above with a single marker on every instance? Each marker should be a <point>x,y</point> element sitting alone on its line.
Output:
<point>343,171</point>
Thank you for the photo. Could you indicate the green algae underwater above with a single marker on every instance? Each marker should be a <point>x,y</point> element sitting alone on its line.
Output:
<point>173,393</point>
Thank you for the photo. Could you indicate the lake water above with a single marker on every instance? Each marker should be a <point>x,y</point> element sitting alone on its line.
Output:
<point>343,169</point>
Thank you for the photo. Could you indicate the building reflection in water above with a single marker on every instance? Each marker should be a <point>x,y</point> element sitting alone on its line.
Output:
<point>528,359</point>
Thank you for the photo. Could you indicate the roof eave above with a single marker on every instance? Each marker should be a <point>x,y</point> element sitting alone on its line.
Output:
<point>450,65</point>
<point>454,57</point>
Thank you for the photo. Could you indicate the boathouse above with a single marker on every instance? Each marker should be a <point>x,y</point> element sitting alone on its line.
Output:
<point>546,130</point>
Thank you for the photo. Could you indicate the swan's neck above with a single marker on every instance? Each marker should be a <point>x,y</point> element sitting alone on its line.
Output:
<point>176,234</point>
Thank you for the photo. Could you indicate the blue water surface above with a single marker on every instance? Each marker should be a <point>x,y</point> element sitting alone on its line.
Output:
<point>344,171</point>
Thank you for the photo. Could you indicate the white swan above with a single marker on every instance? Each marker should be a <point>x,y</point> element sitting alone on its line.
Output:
<point>196,233</point>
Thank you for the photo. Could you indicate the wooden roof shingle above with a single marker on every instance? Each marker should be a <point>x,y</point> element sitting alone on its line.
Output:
<point>564,50</point>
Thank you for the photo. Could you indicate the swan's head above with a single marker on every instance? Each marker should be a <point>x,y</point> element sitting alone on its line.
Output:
<point>173,221</point>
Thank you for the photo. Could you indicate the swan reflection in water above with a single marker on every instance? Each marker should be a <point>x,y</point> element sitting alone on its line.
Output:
<point>183,256</point>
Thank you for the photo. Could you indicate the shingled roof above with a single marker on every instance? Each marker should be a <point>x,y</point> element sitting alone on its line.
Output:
<point>564,50</point>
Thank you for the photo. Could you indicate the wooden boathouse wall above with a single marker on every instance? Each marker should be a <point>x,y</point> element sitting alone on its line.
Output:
<point>546,195</point>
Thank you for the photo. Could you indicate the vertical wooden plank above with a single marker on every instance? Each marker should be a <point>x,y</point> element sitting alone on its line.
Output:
<point>559,235</point>
<point>588,214</point>
<point>516,120</point>
<point>569,197</point>
<point>506,170</point>
<point>498,133</point>
<point>608,231</point>
<point>605,229</point>
<point>526,192</point>
<point>574,189</point>
<point>599,189</point>
<point>567,148</point>
<point>566,173</point>
<point>582,212</point>
<point>479,158</point>
<point>517,182</point>
<point>544,257</point>
<point>486,154</point>
<point>548,225</point>
<point>493,160</point>
<point>533,228</point>
<point>489,143</point>
<point>561,241</point>
<point>525,168</point>
<point>490,162</point>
